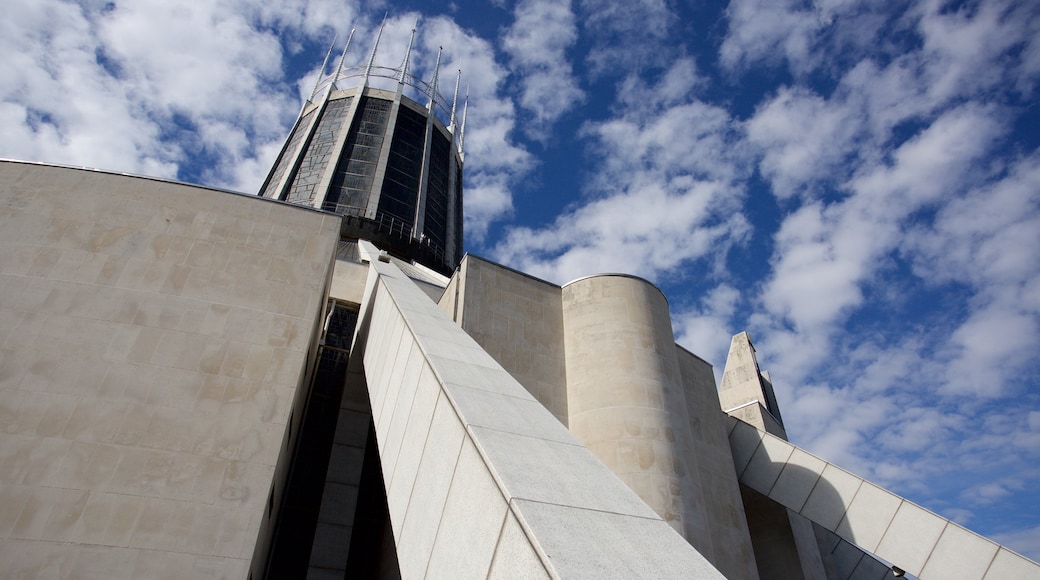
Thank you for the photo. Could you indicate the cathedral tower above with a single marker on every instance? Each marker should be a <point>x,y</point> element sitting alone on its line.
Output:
<point>385,155</point>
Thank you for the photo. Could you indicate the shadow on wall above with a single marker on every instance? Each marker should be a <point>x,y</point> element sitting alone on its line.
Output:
<point>779,534</point>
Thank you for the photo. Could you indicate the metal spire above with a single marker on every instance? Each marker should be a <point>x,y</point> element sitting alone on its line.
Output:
<point>408,53</point>
<point>454,100</point>
<point>462,130</point>
<point>433,83</point>
<point>323,65</point>
<point>372,57</point>
<point>339,69</point>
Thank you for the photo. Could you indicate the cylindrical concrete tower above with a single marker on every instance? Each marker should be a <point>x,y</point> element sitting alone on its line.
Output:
<point>389,164</point>
<point>624,390</point>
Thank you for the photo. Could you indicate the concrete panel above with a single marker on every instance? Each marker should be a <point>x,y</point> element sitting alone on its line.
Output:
<point>621,363</point>
<point>583,497</point>
<point>579,543</point>
<point>556,473</point>
<point>469,354</point>
<point>518,320</point>
<point>515,557</point>
<point>494,380</point>
<point>960,555</point>
<point>429,493</point>
<point>797,479</point>
<point>382,374</point>
<point>473,517</point>
<point>376,344</point>
<point>743,441</point>
<point>868,516</point>
<point>831,497</point>
<point>348,281</point>
<point>766,464</point>
<point>405,363</point>
<point>395,424</point>
<point>400,387</point>
<point>1007,564</point>
<point>910,537</point>
<point>401,475</point>
<point>479,408</point>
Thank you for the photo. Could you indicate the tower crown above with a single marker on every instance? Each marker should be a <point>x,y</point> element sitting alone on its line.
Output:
<point>383,148</point>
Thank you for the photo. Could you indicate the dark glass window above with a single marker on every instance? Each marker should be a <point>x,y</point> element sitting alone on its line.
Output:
<point>401,184</point>
<point>352,182</point>
<point>435,222</point>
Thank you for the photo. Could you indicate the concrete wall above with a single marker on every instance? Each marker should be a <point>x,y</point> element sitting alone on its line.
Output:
<point>625,395</point>
<point>152,338</point>
<point>348,281</point>
<point>618,344</point>
<point>519,321</point>
<point>482,481</point>
<point>722,522</point>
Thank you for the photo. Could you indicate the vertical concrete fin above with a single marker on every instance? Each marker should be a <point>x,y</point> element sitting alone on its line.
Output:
<point>746,391</point>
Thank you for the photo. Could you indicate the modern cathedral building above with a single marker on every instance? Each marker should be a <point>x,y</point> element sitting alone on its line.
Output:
<point>316,382</point>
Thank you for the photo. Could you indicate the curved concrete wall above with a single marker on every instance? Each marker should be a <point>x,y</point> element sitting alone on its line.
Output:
<point>624,391</point>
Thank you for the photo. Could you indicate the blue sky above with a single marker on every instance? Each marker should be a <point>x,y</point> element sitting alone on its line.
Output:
<point>855,183</point>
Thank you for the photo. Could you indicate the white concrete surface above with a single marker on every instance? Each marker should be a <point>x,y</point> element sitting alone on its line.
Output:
<point>152,339</point>
<point>920,542</point>
<point>625,396</point>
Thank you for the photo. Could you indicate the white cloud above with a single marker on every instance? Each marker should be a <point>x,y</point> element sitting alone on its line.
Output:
<point>627,36</point>
<point>60,105</point>
<point>876,399</point>
<point>961,46</point>
<point>987,239</point>
<point>803,138</point>
<point>127,87</point>
<point>768,30</point>
<point>965,51</point>
<point>537,43</point>
<point>966,227</point>
<point>675,86</point>
<point>825,252</point>
<point>706,328</point>
<point>198,91</point>
<point>664,194</point>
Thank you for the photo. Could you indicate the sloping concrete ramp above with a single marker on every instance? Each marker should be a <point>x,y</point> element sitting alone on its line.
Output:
<point>879,522</point>
<point>482,480</point>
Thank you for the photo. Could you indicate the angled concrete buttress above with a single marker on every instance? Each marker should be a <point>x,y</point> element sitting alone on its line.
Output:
<point>481,479</point>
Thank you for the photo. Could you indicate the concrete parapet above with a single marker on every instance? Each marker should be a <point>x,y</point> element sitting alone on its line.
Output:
<point>916,540</point>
